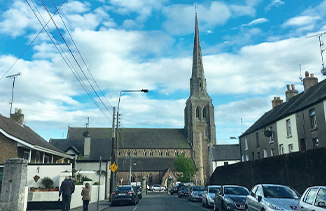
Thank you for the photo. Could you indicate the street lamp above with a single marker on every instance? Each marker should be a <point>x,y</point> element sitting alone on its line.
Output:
<point>117,126</point>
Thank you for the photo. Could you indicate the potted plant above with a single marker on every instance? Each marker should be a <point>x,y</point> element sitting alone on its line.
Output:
<point>47,182</point>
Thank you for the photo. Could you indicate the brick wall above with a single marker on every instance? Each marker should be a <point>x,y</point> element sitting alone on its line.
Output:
<point>8,149</point>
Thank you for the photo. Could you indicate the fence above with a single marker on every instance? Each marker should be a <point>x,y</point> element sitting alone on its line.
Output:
<point>298,170</point>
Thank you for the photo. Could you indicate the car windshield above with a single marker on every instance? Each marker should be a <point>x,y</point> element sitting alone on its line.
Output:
<point>279,192</point>
<point>213,190</point>
<point>198,188</point>
<point>236,191</point>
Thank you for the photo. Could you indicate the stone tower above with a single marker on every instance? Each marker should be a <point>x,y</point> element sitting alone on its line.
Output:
<point>199,115</point>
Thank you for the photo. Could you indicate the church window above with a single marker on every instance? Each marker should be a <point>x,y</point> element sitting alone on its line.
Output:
<point>176,153</point>
<point>128,153</point>
<point>167,153</point>
<point>144,153</point>
<point>135,153</point>
<point>198,112</point>
<point>183,152</point>
<point>133,178</point>
<point>119,153</point>
<point>160,153</point>
<point>151,153</point>
<point>205,112</point>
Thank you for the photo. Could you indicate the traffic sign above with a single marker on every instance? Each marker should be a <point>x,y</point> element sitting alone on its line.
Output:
<point>113,167</point>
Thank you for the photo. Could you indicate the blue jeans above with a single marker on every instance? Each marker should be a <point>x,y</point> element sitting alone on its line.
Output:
<point>85,205</point>
<point>66,199</point>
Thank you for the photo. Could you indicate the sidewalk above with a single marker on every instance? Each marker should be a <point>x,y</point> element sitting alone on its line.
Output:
<point>93,206</point>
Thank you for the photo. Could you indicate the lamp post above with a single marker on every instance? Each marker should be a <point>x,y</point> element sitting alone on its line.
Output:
<point>117,126</point>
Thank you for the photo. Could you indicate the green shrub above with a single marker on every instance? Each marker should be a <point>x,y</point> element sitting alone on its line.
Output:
<point>47,182</point>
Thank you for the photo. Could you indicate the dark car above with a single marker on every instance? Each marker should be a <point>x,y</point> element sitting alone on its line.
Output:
<point>174,189</point>
<point>196,193</point>
<point>139,191</point>
<point>231,197</point>
<point>124,194</point>
<point>184,191</point>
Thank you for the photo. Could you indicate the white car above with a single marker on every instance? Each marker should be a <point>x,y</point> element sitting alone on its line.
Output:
<point>209,195</point>
<point>270,197</point>
<point>314,198</point>
<point>157,188</point>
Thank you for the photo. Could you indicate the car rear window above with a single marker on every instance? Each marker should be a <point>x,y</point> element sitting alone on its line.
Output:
<point>126,188</point>
<point>214,190</point>
<point>198,188</point>
<point>236,191</point>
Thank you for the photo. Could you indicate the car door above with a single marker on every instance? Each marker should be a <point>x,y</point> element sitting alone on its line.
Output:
<point>251,198</point>
<point>219,196</point>
<point>257,202</point>
<point>320,201</point>
<point>307,202</point>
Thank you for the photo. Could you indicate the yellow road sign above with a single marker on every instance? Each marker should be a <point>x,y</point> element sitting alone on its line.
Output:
<point>113,167</point>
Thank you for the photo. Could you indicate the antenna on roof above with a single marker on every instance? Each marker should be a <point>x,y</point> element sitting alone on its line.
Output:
<point>321,44</point>
<point>12,90</point>
<point>87,124</point>
<point>300,76</point>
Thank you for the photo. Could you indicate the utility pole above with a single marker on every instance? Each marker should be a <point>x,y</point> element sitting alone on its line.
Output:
<point>12,90</point>
<point>113,174</point>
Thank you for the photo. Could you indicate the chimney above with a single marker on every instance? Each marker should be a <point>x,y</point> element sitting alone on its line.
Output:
<point>309,81</point>
<point>87,144</point>
<point>290,92</point>
<point>277,101</point>
<point>18,116</point>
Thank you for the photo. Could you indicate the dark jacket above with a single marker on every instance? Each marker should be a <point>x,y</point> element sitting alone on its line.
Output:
<point>67,187</point>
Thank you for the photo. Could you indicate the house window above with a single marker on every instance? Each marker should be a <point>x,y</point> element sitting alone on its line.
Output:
<point>271,138</point>
<point>290,148</point>
<point>265,153</point>
<point>151,153</point>
<point>313,119</point>
<point>197,112</point>
<point>226,163</point>
<point>257,140</point>
<point>46,159</point>
<point>247,157</point>
<point>26,155</point>
<point>242,158</point>
<point>281,149</point>
<point>144,153</point>
<point>246,144</point>
<point>37,157</point>
<point>288,128</point>
<point>315,142</point>
<point>272,152</point>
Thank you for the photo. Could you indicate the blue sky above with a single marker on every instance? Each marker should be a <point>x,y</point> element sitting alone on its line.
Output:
<point>251,50</point>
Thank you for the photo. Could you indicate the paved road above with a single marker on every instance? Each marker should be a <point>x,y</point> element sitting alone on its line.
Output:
<point>161,202</point>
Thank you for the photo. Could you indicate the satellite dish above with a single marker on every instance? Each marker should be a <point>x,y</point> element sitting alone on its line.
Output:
<point>268,133</point>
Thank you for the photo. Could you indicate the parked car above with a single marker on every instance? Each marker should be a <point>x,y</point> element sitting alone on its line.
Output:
<point>209,194</point>
<point>124,194</point>
<point>157,188</point>
<point>139,191</point>
<point>270,197</point>
<point>231,197</point>
<point>184,191</point>
<point>174,189</point>
<point>196,192</point>
<point>313,199</point>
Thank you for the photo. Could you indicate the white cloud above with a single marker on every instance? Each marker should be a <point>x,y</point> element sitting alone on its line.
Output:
<point>301,21</point>
<point>256,21</point>
<point>274,3</point>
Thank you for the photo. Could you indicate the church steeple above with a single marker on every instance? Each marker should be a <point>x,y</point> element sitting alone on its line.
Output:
<point>197,81</point>
<point>199,115</point>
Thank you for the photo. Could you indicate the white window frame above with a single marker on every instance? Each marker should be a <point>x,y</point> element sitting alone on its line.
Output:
<point>246,144</point>
<point>288,128</point>
<point>281,147</point>
<point>290,148</point>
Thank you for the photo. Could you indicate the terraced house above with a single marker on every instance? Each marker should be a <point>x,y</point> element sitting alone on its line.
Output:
<point>295,125</point>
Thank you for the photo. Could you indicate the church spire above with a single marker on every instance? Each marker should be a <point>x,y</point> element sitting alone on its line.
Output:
<point>198,81</point>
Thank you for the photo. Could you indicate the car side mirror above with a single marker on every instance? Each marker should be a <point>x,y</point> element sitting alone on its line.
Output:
<point>321,204</point>
<point>259,198</point>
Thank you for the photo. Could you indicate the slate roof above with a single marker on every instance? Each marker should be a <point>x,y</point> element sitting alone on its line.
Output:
<point>146,164</point>
<point>226,152</point>
<point>313,95</point>
<point>24,133</point>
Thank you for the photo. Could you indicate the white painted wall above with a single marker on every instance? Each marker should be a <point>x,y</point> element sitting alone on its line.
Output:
<point>282,134</point>
<point>52,171</point>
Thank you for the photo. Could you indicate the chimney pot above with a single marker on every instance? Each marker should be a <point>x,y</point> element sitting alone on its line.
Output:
<point>293,86</point>
<point>288,87</point>
<point>306,74</point>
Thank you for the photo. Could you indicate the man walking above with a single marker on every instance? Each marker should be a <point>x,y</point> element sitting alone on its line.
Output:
<point>66,189</point>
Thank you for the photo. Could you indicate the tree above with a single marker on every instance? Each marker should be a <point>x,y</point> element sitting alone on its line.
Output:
<point>186,166</point>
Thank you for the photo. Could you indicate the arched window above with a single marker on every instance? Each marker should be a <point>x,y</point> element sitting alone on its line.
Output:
<point>119,153</point>
<point>133,178</point>
<point>176,153</point>
<point>144,153</point>
<point>127,153</point>
<point>167,153</point>
<point>160,153</point>
<point>205,112</point>
<point>135,153</point>
<point>151,153</point>
<point>198,112</point>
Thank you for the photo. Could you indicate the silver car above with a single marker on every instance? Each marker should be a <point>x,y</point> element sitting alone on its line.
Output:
<point>209,195</point>
<point>269,197</point>
<point>196,193</point>
<point>313,199</point>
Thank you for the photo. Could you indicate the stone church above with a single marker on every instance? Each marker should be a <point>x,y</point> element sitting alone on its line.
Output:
<point>151,152</point>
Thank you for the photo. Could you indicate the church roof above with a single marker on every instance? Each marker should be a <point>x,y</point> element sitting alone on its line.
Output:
<point>146,164</point>
<point>149,138</point>
<point>225,152</point>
